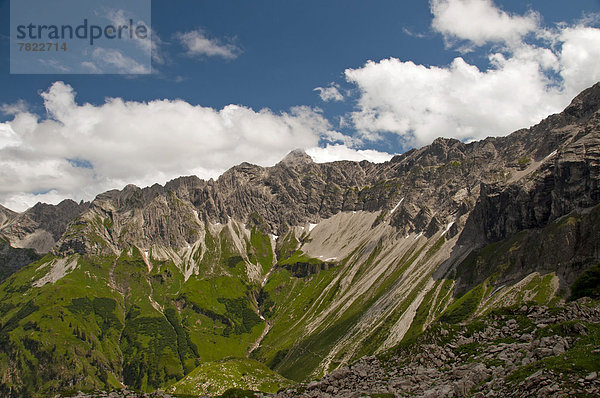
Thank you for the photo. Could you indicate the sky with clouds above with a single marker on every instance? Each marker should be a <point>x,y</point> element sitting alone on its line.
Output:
<point>238,81</point>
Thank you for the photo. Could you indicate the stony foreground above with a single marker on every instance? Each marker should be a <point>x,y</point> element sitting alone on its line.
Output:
<point>521,352</point>
<point>531,351</point>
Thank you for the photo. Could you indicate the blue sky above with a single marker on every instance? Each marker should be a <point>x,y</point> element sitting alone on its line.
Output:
<point>244,79</point>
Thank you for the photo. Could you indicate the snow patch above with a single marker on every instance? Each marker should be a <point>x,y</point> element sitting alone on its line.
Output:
<point>496,290</point>
<point>311,227</point>
<point>275,237</point>
<point>395,207</point>
<point>552,154</point>
<point>418,236</point>
<point>331,259</point>
<point>450,224</point>
<point>148,264</point>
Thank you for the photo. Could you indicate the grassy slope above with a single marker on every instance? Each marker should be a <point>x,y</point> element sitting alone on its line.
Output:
<point>149,331</point>
<point>154,328</point>
<point>213,378</point>
<point>296,355</point>
<point>53,339</point>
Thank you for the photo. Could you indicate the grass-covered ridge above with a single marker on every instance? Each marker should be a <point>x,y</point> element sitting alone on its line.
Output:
<point>214,378</point>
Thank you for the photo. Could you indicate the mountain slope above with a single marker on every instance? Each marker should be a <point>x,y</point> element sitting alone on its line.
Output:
<point>304,267</point>
<point>25,237</point>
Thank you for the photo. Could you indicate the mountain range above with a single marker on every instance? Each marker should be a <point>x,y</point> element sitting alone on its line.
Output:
<point>270,276</point>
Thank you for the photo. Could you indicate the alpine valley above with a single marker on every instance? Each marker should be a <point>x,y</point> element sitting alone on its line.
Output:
<point>452,270</point>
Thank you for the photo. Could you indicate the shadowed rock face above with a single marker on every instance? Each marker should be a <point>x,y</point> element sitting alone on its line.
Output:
<point>12,259</point>
<point>25,237</point>
<point>50,219</point>
<point>568,178</point>
<point>6,215</point>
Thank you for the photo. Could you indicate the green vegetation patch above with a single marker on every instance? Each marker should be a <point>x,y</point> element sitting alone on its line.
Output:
<point>301,266</point>
<point>242,315</point>
<point>525,160</point>
<point>588,284</point>
<point>581,359</point>
<point>151,356</point>
<point>416,327</point>
<point>286,246</point>
<point>103,308</point>
<point>465,306</point>
<point>260,249</point>
<point>230,377</point>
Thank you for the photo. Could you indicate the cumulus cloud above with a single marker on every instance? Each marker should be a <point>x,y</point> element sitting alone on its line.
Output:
<point>525,80</point>
<point>80,150</point>
<point>332,153</point>
<point>579,57</point>
<point>479,21</point>
<point>197,43</point>
<point>330,93</point>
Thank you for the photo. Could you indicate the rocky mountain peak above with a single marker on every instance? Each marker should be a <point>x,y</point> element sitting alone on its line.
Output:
<point>42,225</point>
<point>6,215</point>
<point>296,157</point>
<point>586,103</point>
<point>6,210</point>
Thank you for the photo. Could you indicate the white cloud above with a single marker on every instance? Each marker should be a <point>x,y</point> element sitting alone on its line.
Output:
<point>526,80</point>
<point>331,93</point>
<point>411,33</point>
<point>579,66</point>
<point>12,109</point>
<point>150,44</point>
<point>332,153</point>
<point>110,60</point>
<point>8,137</point>
<point>197,43</point>
<point>138,142</point>
<point>55,65</point>
<point>479,21</point>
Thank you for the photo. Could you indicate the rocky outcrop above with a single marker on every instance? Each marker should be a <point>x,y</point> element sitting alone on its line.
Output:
<point>493,188</point>
<point>12,259</point>
<point>561,173</point>
<point>515,353</point>
<point>41,226</point>
<point>25,237</point>
<point>6,215</point>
